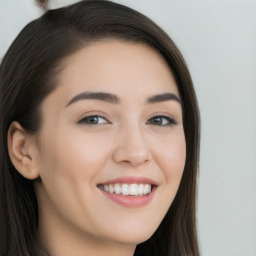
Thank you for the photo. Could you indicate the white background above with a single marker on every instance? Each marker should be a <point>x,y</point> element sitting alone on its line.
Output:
<point>218,41</point>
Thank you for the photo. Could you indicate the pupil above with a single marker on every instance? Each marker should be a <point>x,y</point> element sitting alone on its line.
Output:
<point>92,120</point>
<point>157,120</point>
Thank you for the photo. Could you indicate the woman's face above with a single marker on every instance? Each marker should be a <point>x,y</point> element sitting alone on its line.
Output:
<point>114,123</point>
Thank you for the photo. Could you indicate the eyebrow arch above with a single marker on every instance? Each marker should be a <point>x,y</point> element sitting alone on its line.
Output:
<point>114,99</point>
<point>163,97</point>
<point>103,96</point>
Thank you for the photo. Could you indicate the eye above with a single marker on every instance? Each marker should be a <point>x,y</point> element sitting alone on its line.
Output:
<point>161,121</point>
<point>93,120</point>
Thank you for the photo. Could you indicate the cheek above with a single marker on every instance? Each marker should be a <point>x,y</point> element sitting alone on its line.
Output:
<point>70,163</point>
<point>171,157</point>
<point>74,156</point>
<point>87,153</point>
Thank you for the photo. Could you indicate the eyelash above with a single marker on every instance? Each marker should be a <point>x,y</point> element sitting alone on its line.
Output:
<point>168,120</point>
<point>85,120</point>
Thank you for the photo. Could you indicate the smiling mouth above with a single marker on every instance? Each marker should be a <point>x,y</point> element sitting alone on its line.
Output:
<point>127,189</point>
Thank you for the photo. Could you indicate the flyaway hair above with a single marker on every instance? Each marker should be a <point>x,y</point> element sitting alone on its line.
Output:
<point>42,3</point>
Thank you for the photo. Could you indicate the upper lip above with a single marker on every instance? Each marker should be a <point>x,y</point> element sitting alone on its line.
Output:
<point>131,180</point>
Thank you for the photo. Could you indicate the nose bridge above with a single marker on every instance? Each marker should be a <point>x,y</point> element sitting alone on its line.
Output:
<point>132,146</point>
<point>135,137</point>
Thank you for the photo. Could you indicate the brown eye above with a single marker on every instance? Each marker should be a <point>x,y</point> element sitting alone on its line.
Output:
<point>161,120</point>
<point>157,120</point>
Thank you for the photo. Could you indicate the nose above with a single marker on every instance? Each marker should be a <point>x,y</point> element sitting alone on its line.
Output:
<point>131,148</point>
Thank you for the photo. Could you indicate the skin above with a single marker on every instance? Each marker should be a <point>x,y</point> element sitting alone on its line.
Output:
<point>72,158</point>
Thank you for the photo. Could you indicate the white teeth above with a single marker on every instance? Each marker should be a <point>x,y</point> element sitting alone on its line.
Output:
<point>147,189</point>
<point>110,189</point>
<point>127,189</point>
<point>106,188</point>
<point>134,190</point>
<point>118,189</point>
<point>141,189</point>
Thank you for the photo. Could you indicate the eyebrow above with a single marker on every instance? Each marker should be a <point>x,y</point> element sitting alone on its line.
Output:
<point>114,99</point>
<point>103,96</point>
<point>163,97</point>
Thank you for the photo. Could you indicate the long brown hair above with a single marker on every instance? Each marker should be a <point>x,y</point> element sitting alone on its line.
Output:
<point>28,74</point>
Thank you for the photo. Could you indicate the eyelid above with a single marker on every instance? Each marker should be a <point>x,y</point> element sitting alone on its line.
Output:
<point>82,119</point>
<point>168,117</point>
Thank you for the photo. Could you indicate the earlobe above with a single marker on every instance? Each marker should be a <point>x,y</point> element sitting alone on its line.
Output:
<point>19,143</point>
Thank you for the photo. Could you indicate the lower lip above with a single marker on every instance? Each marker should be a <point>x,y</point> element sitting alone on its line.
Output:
<point>131,201</point>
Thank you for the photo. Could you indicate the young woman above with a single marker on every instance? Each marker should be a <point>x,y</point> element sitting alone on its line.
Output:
<point>100,137</point>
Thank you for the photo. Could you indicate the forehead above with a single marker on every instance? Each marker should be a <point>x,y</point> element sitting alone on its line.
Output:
<point>124,68</point>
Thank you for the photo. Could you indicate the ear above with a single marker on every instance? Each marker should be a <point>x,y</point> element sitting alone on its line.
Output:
<point>19,145</point>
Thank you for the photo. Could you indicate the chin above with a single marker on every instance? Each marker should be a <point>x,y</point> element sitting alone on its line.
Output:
<point>133,236</point>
